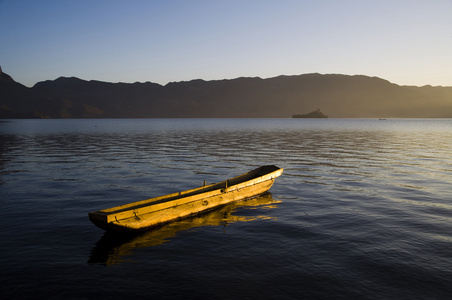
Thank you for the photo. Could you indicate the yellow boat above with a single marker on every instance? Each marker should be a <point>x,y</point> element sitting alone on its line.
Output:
<point>160,210</point>
<point>113,248</point>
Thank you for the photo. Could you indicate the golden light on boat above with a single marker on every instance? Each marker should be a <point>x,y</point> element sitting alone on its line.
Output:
<point>152,212</point>
<point>112,248</point>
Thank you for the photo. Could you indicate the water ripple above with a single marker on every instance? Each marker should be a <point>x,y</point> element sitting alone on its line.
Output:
<point>363,208</point>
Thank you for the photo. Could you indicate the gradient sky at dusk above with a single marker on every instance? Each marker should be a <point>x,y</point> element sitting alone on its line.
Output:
<point>408,42</point>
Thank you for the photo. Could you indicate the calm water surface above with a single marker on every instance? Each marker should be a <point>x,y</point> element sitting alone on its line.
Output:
<point>363,209</point>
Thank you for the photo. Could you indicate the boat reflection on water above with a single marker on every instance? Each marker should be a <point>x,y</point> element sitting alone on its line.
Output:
<point>113,248</point>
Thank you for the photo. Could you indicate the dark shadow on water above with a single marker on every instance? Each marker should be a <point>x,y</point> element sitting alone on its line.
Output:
<point>114,248</point>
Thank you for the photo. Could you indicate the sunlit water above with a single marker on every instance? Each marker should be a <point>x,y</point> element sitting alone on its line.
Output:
<point>362,210</point>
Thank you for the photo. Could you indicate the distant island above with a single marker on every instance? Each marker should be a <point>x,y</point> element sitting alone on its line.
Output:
<point>343,96</point>
<point>313,114</point>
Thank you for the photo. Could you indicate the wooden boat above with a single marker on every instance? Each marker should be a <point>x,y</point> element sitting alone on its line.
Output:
<point>160,210</point>
<point>113,248</point>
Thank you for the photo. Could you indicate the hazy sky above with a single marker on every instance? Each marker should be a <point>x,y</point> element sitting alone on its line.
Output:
<point>406,42</point>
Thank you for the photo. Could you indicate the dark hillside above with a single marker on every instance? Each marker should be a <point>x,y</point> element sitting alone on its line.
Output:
<point>338,96</point>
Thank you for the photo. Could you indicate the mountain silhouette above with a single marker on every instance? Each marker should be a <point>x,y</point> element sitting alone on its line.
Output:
<point>339,96</point>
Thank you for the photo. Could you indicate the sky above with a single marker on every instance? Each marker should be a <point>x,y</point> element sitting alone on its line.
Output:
<point>408,42</point>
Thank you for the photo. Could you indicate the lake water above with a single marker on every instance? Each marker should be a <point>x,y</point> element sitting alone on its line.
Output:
<point>363,209</point>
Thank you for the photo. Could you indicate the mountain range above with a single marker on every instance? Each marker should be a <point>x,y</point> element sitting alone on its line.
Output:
<point>338,96</point>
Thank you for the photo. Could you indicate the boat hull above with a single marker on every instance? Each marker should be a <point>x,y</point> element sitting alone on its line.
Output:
<point>160,210</point>
<point>113,248</point>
